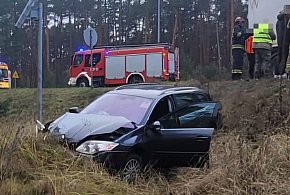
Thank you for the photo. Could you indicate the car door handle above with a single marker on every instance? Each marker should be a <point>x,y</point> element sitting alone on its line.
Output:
<point>201,138</point>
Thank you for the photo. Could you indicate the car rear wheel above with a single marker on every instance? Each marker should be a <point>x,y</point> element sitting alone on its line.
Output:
<point>132,168</point>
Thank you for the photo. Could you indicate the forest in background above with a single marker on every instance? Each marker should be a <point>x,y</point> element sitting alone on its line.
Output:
<point>200,28</point>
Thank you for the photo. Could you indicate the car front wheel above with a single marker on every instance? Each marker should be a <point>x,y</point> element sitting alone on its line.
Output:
<point>132,168</point>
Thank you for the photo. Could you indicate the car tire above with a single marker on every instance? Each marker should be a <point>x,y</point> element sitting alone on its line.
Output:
<point>132,168</point>
<point>83,82</point>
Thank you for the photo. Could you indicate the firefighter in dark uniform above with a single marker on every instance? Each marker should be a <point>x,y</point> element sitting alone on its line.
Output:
<point>283,39</point>
<point>238,40</point>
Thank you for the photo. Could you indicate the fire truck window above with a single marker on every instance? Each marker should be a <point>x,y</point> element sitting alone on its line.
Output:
<point>96,58</point>
<point>87,60</point>
<point>78,59</point>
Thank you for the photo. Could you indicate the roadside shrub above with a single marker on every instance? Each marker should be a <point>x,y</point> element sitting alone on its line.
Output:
<point>5,107</point>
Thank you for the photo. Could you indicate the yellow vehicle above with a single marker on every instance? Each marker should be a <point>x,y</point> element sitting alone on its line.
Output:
<point>4,76</point>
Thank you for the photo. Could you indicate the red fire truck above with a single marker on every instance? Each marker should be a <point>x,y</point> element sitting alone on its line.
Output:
<point>124,64</point>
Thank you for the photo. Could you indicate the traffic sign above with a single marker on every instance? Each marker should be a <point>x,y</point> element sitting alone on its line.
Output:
<point>90,37</point>
<point>15,75</point>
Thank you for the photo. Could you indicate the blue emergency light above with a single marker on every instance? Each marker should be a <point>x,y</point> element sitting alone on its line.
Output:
<point>107,52</point>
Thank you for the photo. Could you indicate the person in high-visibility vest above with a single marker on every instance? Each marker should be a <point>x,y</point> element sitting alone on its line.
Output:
<point>283,39</point>
<point>251,55</point>
<point>262,45</point>
<point>238,41</point>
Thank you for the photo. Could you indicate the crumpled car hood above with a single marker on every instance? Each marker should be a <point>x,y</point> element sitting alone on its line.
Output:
<point>79,126</point>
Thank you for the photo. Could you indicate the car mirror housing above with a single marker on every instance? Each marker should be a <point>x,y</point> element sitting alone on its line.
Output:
<point>156,126</point>
<point>74,110</point>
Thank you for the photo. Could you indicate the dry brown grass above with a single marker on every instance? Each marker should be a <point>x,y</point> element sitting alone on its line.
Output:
<point>42,166</point>
<point>251,155</point>
<point>240,167</point>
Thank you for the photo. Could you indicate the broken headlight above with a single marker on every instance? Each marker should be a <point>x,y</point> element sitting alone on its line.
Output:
<point>93,147</point>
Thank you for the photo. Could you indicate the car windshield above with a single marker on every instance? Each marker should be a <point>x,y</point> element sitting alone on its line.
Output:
<point>131,107</point>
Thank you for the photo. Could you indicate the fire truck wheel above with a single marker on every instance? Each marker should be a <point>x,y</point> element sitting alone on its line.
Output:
<point>135,79</point>
<point>83,82</point>
<point>172,77</point>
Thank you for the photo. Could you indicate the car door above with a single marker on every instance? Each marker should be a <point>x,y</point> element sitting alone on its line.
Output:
<point>155,142</point>
<point>185,135</point>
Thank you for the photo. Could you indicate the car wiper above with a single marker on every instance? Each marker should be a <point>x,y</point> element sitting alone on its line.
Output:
<point>135,124</point>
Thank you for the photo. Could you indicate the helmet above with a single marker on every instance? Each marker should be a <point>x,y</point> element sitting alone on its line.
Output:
<point>239,20</point>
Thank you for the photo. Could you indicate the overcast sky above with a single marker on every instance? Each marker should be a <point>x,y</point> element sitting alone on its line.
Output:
<point>266,11</point>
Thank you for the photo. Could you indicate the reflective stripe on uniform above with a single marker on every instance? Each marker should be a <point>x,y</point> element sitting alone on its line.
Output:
<point>237,46</point>
<point>287,69</point>
<point>237,71</point>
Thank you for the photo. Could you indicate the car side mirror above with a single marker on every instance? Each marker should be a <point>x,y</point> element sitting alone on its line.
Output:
<point>156,126</point>
<point>74,110</point>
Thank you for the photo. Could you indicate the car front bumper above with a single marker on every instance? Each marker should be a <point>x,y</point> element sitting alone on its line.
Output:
<point>111,159</point>
<point>114,160</point>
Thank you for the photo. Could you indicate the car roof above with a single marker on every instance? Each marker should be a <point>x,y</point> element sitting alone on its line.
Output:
<point>152,90</point>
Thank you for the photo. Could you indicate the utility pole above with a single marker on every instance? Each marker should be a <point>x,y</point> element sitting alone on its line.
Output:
<point>39,61</point>
<point>34,11</point>
<point>158,20</point>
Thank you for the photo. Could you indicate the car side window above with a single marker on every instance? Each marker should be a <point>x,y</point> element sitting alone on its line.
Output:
<point>182,100</point>
<point>169,121</point>
<point>163,107</point>
<point>200,97</point>
<point>196,116</point>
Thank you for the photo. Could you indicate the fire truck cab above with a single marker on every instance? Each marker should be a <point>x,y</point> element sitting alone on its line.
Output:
<point>123,65</point>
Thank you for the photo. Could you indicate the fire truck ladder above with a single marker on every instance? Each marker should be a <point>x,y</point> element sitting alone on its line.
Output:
<point>167,45</point>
